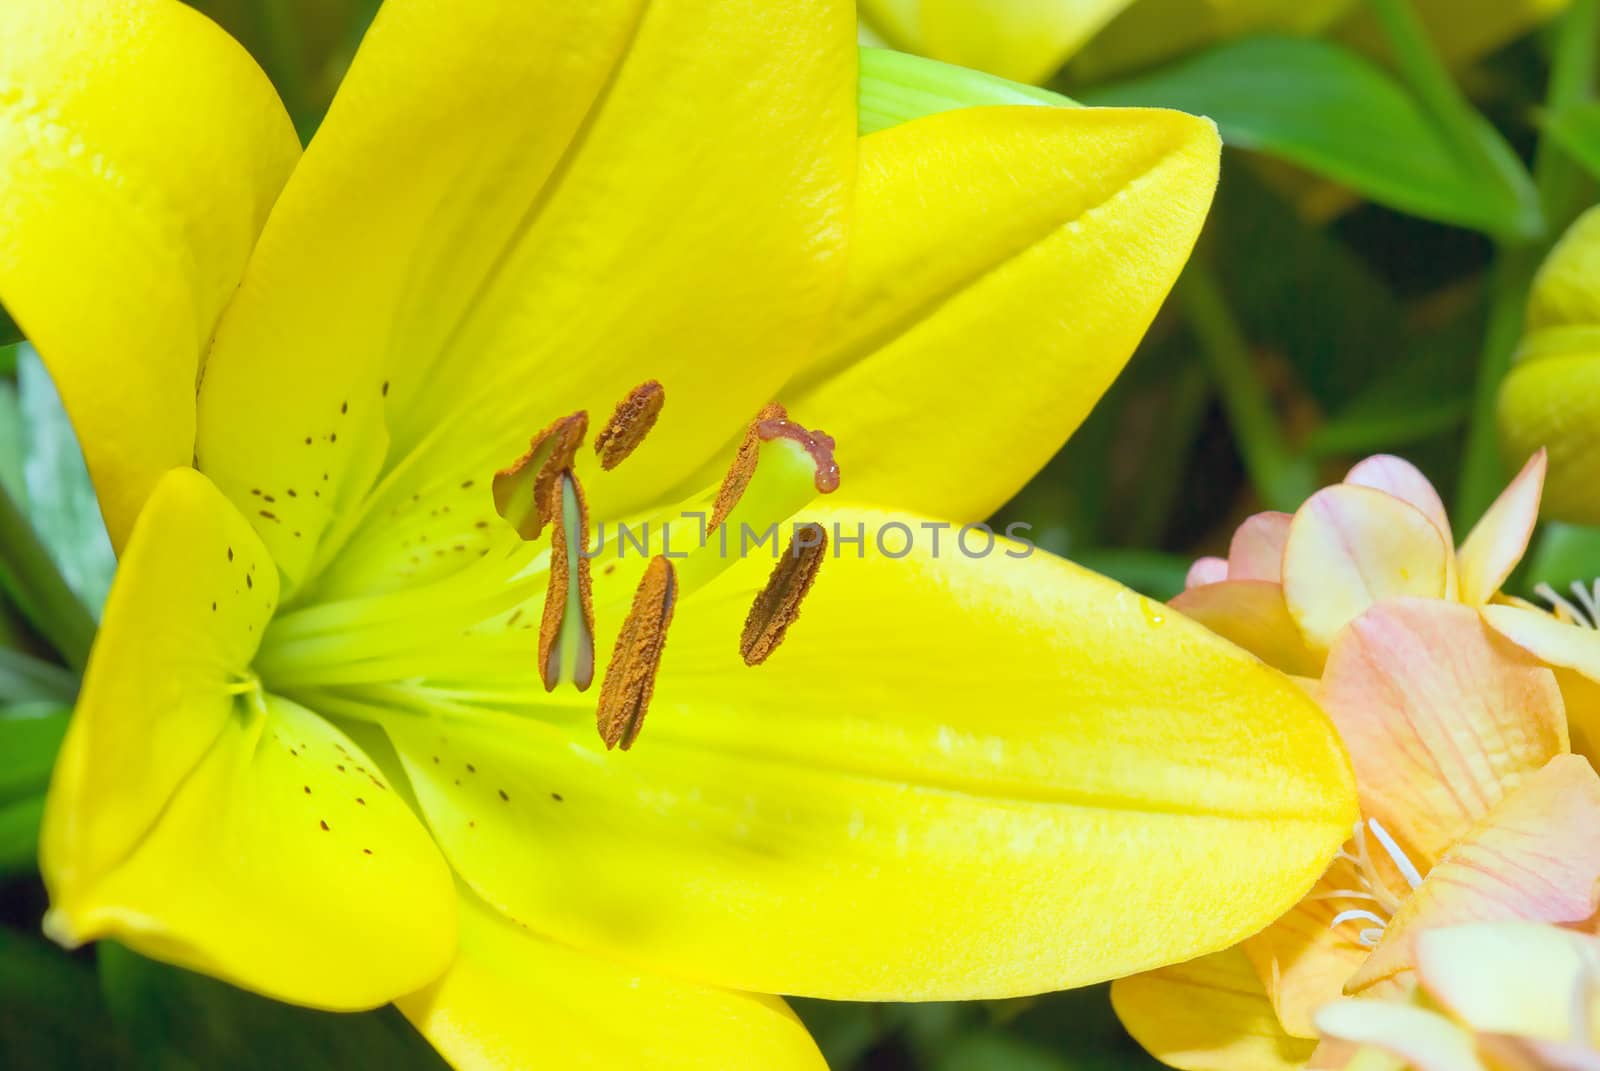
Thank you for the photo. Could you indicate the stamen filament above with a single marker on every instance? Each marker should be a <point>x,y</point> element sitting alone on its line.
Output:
<point>566,634</point>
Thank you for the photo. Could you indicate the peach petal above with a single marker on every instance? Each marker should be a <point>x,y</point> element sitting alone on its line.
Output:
<point>1536,856</point>
<point>1252,614</point>
<point>1209,570</point>
<point>1302,959</point>
<point>1500,538</point>
<point>1518,977</point>
<point>1440,717</point>
<point>1403,480</point>
<point>1256,552</point>
<point>1425,1040</point>
<point>1350,547</point>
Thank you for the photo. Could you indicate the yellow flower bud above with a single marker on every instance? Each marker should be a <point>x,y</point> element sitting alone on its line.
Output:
<point>1552,396</point>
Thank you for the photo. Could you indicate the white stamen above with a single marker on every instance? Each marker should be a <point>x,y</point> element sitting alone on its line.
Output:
<point>1587,598</point>
<point>1563,607</point>
<point>1358,913</point>
<point>1372,888</point>
<point>1407,869</point>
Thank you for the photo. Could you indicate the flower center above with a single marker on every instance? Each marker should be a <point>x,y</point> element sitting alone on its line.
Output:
<point>1582,610</point>
<point>460,642</point>
<point>1372,886</point>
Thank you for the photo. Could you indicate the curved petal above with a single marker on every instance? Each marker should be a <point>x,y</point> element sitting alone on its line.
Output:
<point>1350,547</point>
<point>1256,550</point>
<point>1003,265</point>
<point>1536,856</point>
<point>1024,40</point>
<point>1302,958</point>
<point>1442,720</point>
<point>1400,478</point>
<point>1209,1014</point>
<point>1496,544</point>
<point>140,149</point>
<point>1573,652</point>
<point>513,999</point>
<point>1426,1040</point>
<point>1252,614</point>
<point>205,824</point>
<point>1206,571</point>
<point>957,778</point>
<point>451,269</point>
<point>1512,977</point>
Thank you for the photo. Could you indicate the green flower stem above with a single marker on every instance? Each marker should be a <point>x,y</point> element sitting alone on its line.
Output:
<point>1429,78</point>
<point>35,585</point>
<point>1561,185</point>
<point>1282,479</point>
<point>1160,480</point>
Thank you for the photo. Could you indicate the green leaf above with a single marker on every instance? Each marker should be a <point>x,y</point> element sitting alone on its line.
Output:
<point>1425,392</point>
<point>25,679</point>
<point>30,736</point>
<point>19,836</point>
<point>1577,130</point>
<point>1564,554</point>
<point>61,503</point>
<point>9,331</point>
<point>1328,110</point>
<point>51,1011</point>
<point>177,1018</point>
<point>895,87</point>
<point>996,1051</point>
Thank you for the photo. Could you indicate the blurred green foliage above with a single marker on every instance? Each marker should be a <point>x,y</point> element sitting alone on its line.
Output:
<point>1357,291</point>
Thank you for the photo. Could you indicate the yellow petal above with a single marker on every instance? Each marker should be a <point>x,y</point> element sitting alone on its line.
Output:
<point>1462,30</point>
<point>1350,547</point>
<point>1154,30</point>
<point>126,227</point>
<point>1535,856</point>
<point>155,695</point>
<point>1209,1014</point>
<point>658,214</point>
<point>1512,977</point>
<point>1573,652</point>
<point>1025,40</point>
<point>956,778</point>
<point>1426,1040</point>
<point>513,999</point>
<point>205,824</point>
<point>1496,544</point>
<point>1004,264</point>
<point>1252,614</point>
<point>1304,960</point>
<point>1441,718</point>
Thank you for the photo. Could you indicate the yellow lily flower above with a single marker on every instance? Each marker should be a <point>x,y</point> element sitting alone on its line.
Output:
<point>1492,996</point>
<point>1473,810</point>
<point>317,752</point>
<point>1547,400</point>
<point>1030,40</point>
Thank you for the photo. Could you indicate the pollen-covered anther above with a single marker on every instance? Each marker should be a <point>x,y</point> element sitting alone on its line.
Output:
<point>525,493</point>
<point>773,423</point>
<point>635,415</point>
<point>778,605</point>
<point>631,675</point>
<point>566,632</point>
